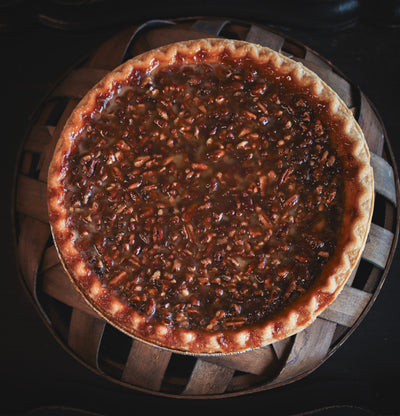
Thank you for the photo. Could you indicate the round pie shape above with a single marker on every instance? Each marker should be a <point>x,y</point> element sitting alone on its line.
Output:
<point>210,196</point>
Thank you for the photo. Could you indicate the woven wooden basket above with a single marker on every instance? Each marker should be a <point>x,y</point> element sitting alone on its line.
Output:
<point>134,364</point>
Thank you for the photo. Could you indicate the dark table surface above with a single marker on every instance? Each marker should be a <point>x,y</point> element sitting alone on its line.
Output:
<point>37,372</point>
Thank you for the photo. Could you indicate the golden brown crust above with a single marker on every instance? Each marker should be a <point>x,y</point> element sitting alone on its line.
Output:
<point>301,314</point>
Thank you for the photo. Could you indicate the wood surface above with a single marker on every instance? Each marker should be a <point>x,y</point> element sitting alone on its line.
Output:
<point>379,244</point>
<point>146,366</point>
<point>208,378</point>
<point>308,351</point>
<point>253,362</point>
<point>384,180</point>
<point>84,337</point>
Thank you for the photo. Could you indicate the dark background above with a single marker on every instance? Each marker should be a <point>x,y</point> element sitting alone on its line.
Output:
<point>37,45</point>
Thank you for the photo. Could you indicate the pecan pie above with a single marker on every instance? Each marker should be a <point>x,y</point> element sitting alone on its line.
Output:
<point>210,196</point>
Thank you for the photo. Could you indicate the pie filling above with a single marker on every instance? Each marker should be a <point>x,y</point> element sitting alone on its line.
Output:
<point>206,196</point>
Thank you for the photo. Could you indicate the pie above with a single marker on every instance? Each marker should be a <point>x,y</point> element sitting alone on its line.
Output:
<point>210,196</point>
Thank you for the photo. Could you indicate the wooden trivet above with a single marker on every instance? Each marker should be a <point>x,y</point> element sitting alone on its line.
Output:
<point>132,363</point>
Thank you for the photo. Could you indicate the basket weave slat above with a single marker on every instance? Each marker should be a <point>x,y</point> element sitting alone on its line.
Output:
<point>347,307</point>
<point>208,378</point>
<point>49,150</point>
<point>146,366</point>
<point>351,278</point>
<point>373,131</point>
<point>150,368</point>
<point>282,348</point>
<point>86,348</point>
<point>38,138</point>
<point>212,27</point>
<point>264,37</point>
<point>56,284</point>
<point>161,37</point>
<point>254,362</point>
<point>373,280</point>
<point>314,59</point>
<point>383,178</point>
<point>32,198</point>
<point>316,338</point>
<point>244,382</point>
<point>79,82</point>
<point>109,54</point>
<point>33,238</point>
<point>50,259</point>
<point>335,81</point>
<point>378,246</point>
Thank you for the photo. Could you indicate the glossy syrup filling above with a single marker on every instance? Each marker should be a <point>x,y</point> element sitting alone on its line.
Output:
<point>206,196</point>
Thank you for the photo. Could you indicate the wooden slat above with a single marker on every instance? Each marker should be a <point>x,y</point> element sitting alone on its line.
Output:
<point>38,138</point>
<point>84,336</point>
<point>79,82</point>
<point>110,53</point>
<point>208,378</point>
<point>351,278</point>
<point>255,362</point>
<point>137,44</point>
<point>281,348</point>
<point>244,382</point>
<point>378,246</point>
<point>335,81</point>
<point>25,166</point>
<point>311,57</point>
<point>373,279</point>
<point>146,366</point>
<point>57,285</point>
<point>211,27</point>
<point>265,38</point>
<point>33,238</point>
<point>371,126</point>
<point>383,178</point>
<point>292,49</point>
<point>348,306</point>
<point>308,351</point>
<point>32,198</point>
<point>50,259</point>
<point>51,146</point>
<point>391,217</point>
<point>164,36</point>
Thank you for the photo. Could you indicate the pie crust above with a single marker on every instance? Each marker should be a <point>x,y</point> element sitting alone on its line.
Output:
<point>347,140</point>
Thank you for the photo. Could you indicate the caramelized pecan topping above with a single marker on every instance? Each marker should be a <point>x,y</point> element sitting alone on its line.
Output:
<point>206,196</point>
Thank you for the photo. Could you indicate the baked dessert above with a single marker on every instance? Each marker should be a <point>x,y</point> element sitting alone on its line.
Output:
<point>210,196</point>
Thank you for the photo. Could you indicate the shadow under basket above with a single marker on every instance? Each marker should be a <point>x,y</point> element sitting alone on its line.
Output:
<point>137,365</point>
